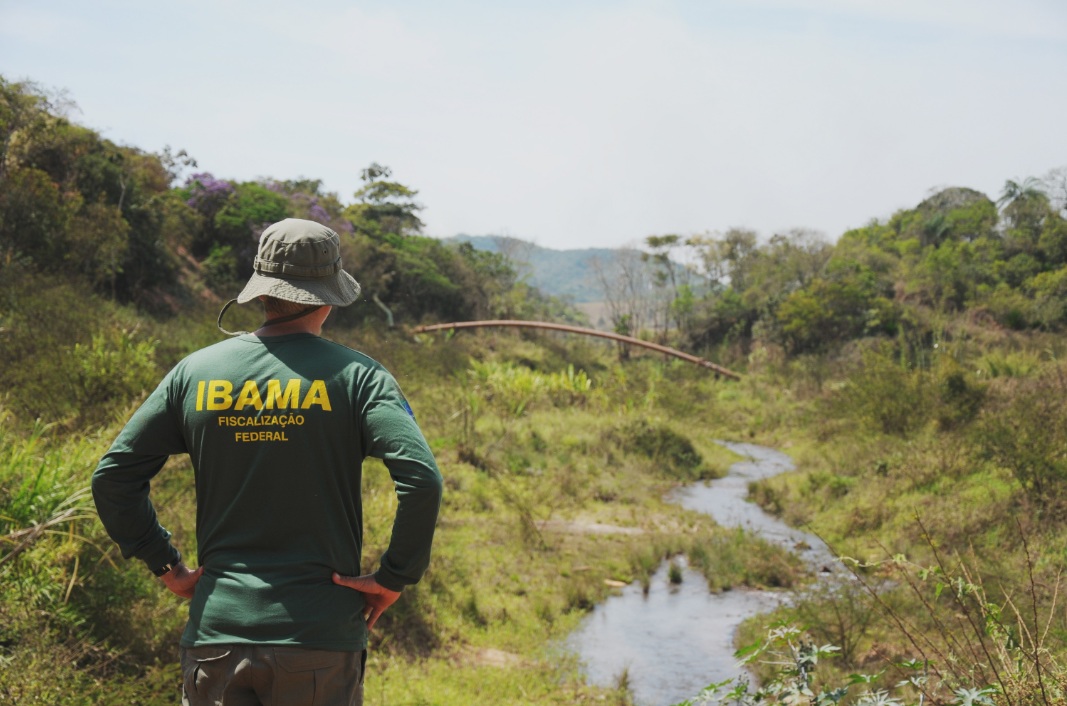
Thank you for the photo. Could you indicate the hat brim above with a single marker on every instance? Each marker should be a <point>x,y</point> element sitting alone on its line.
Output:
<point>339,290</point>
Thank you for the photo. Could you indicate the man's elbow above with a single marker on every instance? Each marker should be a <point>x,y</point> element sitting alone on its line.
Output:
<point>434,488</point>
<point>98,483</point>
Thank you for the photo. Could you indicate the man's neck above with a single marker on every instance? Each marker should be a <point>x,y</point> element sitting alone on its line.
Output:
<point>283,329</point>
<point>310,323</point>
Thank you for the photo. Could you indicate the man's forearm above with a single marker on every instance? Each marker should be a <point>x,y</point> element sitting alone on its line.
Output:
<point>120,490</point>
<point>419,490</point>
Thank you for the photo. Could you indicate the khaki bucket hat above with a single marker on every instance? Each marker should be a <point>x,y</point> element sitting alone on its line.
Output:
<point>300,261</point>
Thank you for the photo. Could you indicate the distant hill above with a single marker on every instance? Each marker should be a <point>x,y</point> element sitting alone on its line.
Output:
<point>561,273</point>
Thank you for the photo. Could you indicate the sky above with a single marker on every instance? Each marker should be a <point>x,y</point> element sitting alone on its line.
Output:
<point>579,123</point>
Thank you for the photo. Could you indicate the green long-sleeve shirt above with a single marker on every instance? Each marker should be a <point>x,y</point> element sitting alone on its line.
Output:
<point>277,430</point>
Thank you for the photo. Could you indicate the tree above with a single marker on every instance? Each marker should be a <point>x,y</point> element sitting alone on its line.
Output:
<point>1025,190</point>
<point>206,195</point>
<point>246,213</point>
<point>950,215</point>
<point>725,260</point>
<point>36,205</point>
<point>308,200</point>
<point>175,164</point>
<point>1049,292</point>
<point>26,112</point>
<point>713,310</point>
<point>233,215</point>
<point>625,280</point>
<point>1056,188</point>
<point>668,277</point>
<point>384,206</point>
<point>34,217</point>
<point>789,262</point>
<point>1024,205</point>
<point>516,252</point>
<point>416,277</point>
<point>827,313</point>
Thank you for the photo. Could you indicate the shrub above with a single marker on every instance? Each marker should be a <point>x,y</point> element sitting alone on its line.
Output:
<point>959,398</point>
<point>220,269</point>
<point>674,453</point>
<point>884,395</point>
<point>1025,431</point>
<point>113,366</point>
<point>513,388</point>
<point>795,661</point>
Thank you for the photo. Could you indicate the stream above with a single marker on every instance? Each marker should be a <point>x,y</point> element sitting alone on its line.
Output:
<point>677,639</point>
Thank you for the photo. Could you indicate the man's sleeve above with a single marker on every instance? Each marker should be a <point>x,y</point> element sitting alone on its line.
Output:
<point>391,434</point>
<point>122,480</point>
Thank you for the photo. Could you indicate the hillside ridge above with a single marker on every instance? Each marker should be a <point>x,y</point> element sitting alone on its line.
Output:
<point>569,274</point>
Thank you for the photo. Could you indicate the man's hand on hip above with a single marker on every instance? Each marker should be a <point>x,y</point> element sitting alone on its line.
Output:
<point>377,597</point>
<point>181,580</point>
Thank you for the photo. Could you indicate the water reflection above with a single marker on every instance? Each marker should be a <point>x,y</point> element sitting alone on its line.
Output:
<point>677,639</point>
<point>724,500</point>
<point>672,642</point>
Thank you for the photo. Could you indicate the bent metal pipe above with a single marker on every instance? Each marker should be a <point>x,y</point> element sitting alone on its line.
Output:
<point>718,369</point>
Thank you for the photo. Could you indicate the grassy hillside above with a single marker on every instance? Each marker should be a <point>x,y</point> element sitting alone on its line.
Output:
<point>532,455</point>
<point>543,436</point>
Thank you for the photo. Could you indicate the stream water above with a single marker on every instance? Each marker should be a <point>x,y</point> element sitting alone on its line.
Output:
<point>677,639</point>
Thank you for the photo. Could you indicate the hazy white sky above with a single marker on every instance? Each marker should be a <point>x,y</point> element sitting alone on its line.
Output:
<point>579,123</point>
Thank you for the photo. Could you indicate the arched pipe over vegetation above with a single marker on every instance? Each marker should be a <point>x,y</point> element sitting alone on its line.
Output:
<point>585,332</point>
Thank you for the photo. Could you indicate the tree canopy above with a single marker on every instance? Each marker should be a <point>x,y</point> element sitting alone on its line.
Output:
<point>155,230</point>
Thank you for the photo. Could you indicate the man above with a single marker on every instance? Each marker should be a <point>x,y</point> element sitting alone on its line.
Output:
<point>277,424</point>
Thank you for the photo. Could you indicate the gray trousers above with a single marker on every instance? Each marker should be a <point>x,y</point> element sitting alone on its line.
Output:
<point>271,675</point>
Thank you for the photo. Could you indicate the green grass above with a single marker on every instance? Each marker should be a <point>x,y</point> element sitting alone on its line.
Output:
<point>556,463</point>
<point>547,499</point>
<point>75,625</point>
<point>903,497</point>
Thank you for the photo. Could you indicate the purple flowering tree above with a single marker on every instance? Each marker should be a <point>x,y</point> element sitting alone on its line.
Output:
<point>206,193</point>
<point>308,200</point>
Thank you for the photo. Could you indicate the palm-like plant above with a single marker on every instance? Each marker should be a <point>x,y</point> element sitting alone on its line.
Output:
<point>1024,205</point>
<point>1028,189</point>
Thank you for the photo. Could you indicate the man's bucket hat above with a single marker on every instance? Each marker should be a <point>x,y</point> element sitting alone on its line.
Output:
<point>300,261</point>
